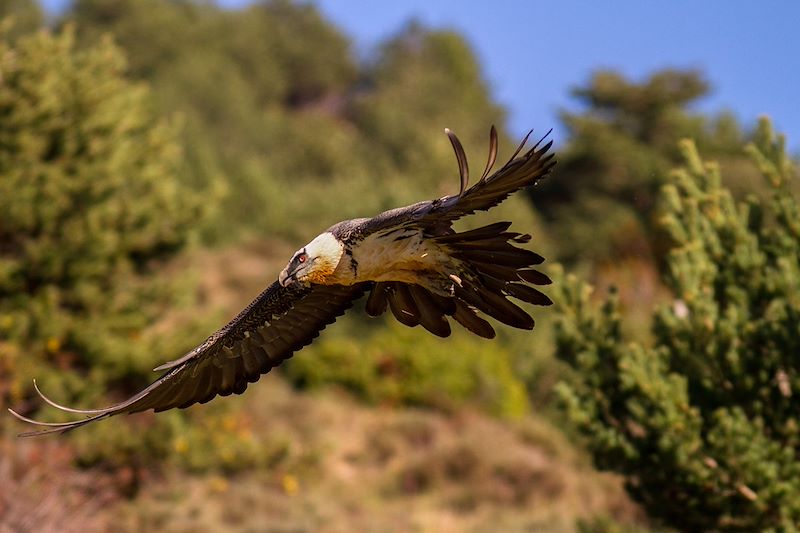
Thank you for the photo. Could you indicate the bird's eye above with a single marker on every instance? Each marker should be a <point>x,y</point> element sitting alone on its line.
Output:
<point>302,258</point>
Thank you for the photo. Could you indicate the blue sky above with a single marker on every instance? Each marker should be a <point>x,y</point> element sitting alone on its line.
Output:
<point>532,52</point>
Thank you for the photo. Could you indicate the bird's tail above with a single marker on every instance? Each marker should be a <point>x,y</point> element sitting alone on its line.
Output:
<point>491,270</point>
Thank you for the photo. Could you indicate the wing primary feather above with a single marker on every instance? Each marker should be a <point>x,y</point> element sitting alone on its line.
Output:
<point>514,258</point>
<point>37,422</point>
<point>492,153</point>
<point>519,148</point>
<point>545,136</point>
<point>461,157</point>
<point>497,271</point>
<point>63,407</point>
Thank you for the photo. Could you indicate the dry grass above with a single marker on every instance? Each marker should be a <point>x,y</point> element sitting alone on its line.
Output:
<point>352,468</point>
<point>40,491</point>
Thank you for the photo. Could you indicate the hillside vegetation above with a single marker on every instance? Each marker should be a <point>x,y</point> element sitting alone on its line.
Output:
<point>160,161</point>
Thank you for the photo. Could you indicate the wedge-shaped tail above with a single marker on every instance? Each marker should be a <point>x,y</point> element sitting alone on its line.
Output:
<point>492,270</point>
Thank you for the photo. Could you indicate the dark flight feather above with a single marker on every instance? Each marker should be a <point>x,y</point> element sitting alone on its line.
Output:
<point>496,306</point>
<point>461,157</point>
<point>378,299</point>
<point>492,153</point>
<point>527,294</point>
<point>430,313</point>
<point>435,216</point>
<point>402,305</point>
<point>467,317</point>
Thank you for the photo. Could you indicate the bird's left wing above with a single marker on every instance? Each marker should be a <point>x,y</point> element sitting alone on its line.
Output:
<point>280,321</point>
<point>492,188</point>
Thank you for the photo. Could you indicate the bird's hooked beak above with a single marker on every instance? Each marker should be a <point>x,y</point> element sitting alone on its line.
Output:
<point>286,279</point>
<point>296,266</point>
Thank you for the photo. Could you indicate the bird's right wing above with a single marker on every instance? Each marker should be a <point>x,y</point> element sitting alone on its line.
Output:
<point>280,321</point>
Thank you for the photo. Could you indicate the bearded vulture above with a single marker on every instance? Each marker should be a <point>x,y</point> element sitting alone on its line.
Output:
<point>409,260</point>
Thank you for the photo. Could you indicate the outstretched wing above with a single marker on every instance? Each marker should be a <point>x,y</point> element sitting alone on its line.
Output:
<point>274,326</point>
<point>436,216</point>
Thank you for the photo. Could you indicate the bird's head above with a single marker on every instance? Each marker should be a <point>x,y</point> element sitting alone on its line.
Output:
<point>315,262</point>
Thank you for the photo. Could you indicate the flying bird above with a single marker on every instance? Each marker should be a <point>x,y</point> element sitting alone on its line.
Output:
<point>408,260</point>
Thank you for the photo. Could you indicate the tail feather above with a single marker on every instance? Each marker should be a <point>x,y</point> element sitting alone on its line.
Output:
<point>468,317</point>
<point>527,294</point>
<point>515,257</point>
<point>534,277</point>
<point>505,273</point>
<point>491,231</point>
<point>493,283</point>
<point>431,314</point>
<point>496,306</point>
<point>491,271</point>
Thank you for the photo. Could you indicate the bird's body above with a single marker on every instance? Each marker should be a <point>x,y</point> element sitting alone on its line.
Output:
<point>409,260</point>
<point>402,255</point>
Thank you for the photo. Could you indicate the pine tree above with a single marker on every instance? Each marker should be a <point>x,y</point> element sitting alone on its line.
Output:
<point>703,422</point>
<point>91,206</point>
<point>623,143</point>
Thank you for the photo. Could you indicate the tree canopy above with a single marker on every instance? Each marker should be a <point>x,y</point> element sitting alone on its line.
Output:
<point>622,144</point>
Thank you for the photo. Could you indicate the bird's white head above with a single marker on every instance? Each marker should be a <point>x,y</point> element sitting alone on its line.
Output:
<point>315,262</point>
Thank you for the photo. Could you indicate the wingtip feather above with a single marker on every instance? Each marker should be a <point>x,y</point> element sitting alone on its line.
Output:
<point>493,146</point>
<point>461,157</point>
<point>63,407</point>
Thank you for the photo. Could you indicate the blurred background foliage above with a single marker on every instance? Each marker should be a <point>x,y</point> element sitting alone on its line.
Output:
<point>160,159</point>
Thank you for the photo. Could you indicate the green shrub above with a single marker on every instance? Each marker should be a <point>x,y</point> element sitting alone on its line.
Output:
<point>91,208</point>
<point>703,423</point>
<point>399,366</point>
